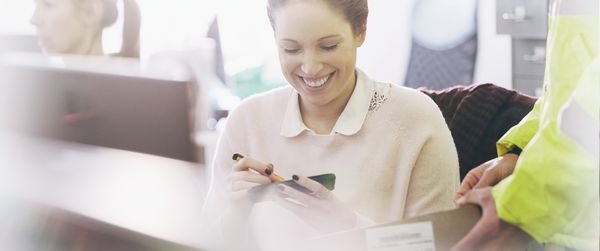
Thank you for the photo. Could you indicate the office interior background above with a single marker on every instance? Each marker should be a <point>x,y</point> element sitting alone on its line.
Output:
<point>227,48</point>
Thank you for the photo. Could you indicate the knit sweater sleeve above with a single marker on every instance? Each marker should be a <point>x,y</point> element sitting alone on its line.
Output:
<point>218,210</point>
<point>435,174</point>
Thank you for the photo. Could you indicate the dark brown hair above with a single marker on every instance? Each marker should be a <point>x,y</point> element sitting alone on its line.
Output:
<point>355,11</point>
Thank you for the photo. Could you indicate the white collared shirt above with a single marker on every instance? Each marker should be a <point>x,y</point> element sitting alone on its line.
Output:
<point>350,121</point>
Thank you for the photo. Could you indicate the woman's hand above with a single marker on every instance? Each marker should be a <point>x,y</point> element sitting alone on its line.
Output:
<point>247,173</point>
<point>488,174</point>
<point>320,208</point>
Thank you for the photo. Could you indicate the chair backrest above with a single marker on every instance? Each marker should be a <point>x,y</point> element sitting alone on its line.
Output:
<point>438,69</point>
<point>444,48</point>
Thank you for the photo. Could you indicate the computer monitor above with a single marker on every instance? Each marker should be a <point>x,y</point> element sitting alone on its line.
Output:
<point>136,113</point>
<point>214,33</point>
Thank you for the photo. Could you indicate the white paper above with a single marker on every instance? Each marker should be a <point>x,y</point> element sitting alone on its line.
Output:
<point>405,237</point>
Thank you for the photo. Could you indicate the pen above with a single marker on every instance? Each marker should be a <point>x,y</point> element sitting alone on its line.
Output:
<point>273,176</point>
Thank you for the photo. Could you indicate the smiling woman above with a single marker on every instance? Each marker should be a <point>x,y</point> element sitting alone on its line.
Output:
<point>389,146</point>
<point>318,60</point>
<point>76,26</point>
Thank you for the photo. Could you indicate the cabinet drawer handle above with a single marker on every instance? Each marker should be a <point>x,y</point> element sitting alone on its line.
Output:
<point>519,14</point>
<point>538,56</point>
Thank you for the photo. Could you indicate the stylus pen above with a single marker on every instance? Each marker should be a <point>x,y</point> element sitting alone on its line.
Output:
<point>273,176</point>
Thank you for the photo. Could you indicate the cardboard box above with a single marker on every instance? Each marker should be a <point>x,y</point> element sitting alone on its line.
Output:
<point>437,231</point>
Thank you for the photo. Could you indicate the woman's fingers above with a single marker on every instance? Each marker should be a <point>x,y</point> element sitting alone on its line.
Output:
<point>244,180</point>
<point>249,176</point>
<point>248,163</point>
<point>242,185</point>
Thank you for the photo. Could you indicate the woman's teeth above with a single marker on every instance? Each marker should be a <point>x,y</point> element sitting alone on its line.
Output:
<point>316,82</point>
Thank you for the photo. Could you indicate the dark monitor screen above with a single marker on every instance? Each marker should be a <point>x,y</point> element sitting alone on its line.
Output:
<point>141,114</point>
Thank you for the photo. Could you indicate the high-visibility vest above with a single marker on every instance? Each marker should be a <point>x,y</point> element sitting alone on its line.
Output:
<point>553,192</point>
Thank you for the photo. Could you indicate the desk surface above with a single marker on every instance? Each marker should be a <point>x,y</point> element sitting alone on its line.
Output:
<point>153,196</point>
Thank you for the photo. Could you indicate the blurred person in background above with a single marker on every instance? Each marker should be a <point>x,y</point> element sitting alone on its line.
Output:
<point>76,26</point>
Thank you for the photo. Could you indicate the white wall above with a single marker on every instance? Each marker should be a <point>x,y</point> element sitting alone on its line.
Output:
<point>494,52</point>
<point>15,15</point>
<point>174,24</point>
<point>247,37</point>
<point>384,55</point>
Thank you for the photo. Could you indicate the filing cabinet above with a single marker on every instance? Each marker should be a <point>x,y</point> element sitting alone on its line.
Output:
<point>526,21</point>
<point>528,63</point>
<point>522,18</point>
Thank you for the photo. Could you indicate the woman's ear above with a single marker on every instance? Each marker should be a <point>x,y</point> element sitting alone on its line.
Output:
<point>360,38</point>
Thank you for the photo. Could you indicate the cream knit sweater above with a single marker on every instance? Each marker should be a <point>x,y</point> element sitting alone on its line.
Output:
<point>400,161</point>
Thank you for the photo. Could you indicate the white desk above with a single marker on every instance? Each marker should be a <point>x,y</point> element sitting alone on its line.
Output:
<point>138,197</point>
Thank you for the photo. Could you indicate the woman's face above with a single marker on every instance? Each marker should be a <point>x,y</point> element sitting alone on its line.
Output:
<point>61,27</point>
<point>317,51</point>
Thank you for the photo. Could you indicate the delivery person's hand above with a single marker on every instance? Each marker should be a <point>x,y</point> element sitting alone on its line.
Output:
<point>488,174</point>
<point>246,174</point>
<point>490,233</point>
<point>320,208</point>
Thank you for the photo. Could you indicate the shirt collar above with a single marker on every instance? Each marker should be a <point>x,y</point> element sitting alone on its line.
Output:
<point>349,122</point>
